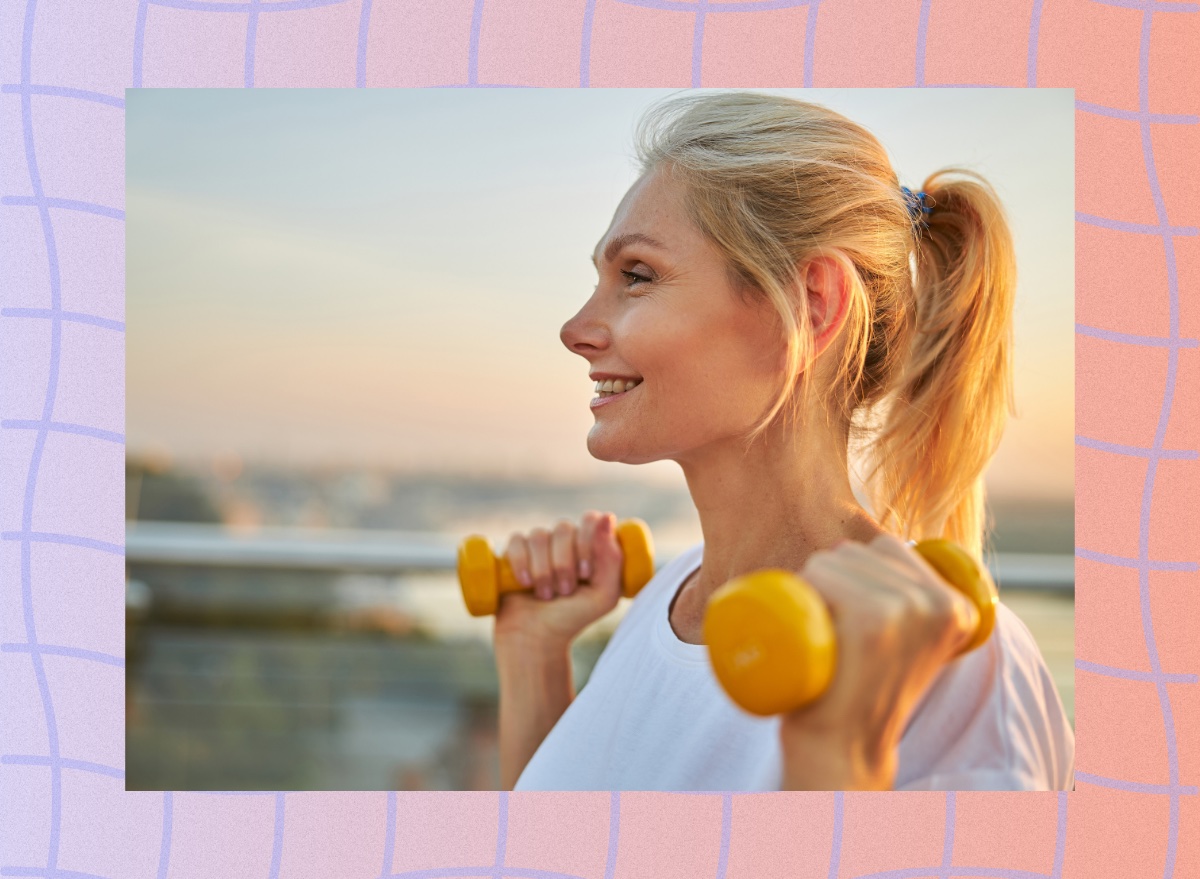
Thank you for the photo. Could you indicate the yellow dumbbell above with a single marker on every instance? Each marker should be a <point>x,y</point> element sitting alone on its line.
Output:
<point>484,576</point>
<point>771,640</point>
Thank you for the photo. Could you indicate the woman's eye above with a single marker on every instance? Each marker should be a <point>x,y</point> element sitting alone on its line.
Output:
<point>634,277</point>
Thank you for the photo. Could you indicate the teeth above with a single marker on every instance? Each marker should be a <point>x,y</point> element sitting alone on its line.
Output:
<point>616,386</point>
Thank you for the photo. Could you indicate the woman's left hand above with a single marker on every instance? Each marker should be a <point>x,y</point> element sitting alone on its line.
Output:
<point>897,624</point>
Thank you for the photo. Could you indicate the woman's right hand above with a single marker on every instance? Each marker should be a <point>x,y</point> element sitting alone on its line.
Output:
<point>575,574</point>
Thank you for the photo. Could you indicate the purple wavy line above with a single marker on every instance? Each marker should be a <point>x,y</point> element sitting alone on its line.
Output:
<point>1139,228</point>
<point>233,793</point>
<point>948,836</point>
<point>501,834</point>
<point>1060,837</point>
<point>920,872</point>
<point>389,835</point>
<point>277,845</point>
<point>164,848</point>
<point>1136,451</point>
<point>1035,27</point>
<point>698,42</point>
<point>703,5</point>
<point>58,91</point>
<point>1136,787</point>
<point>64,427</point>
<point>473,46</point>
<point>1137,115</point>
<point>835,848</point>
<point>1160,208</point>
<point>1130,674</point>
<point>1150,5</point>
<point>72,316</point>
<point>585,44</point>
<point>28,537</point>
<point>69,204</point>
<point>1121,561</point>
<point>726,834</point>
<point>251,41</point>
<point>1131,339</point>
<point>922,35</point>
<point>49,874</point>
<point>63,763</point>
<point>252,6</point>
<point>63,650</point>
<point>364,27</point>
<point>614,831</point>
<point>810,41</point>
<point>456,872</point>
<point>39,444</point>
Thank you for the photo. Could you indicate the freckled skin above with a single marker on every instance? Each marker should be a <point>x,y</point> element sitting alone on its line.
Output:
<point>709,362</point>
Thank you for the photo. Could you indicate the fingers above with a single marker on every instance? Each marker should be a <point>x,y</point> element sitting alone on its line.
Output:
<point>563,556</point>
<point>911,592</point>
<point>558,561</point>
<point>583,543</point>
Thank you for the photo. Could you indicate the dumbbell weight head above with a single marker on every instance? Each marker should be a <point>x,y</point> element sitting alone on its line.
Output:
<point>771,640</point>
<point>958,568</point>
<point>484,576</point>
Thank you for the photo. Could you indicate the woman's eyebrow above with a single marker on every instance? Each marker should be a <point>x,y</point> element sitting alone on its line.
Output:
<point>622,241</point>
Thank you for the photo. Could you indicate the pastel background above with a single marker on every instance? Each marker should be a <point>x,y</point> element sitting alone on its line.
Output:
<point>63,71</point>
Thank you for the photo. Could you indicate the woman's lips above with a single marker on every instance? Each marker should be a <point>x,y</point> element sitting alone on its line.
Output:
<point>597,402</point>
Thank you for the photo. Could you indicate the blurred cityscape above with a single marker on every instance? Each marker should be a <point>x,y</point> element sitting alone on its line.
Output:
<point>298,629</point>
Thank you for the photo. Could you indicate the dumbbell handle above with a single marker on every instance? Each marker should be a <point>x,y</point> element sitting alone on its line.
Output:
<point>484,576</point>
<point>771,639</point>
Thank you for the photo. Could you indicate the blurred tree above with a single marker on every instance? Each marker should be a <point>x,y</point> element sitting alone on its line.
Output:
<point>155,493</point>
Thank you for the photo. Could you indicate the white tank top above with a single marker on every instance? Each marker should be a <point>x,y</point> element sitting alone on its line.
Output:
<point>652,716</point>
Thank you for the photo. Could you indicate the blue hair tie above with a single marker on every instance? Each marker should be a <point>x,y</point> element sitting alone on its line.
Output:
<point>917,208</point>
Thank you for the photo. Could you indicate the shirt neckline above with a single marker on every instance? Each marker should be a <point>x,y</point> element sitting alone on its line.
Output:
<point>685,653</point>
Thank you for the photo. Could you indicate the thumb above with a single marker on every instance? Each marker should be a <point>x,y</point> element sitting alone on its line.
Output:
<point>607,558</point>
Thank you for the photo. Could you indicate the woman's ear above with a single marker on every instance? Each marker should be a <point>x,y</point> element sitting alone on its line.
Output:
<point>828,296</point>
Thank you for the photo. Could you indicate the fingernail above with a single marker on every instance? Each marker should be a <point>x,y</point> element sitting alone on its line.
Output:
<point>524,577</point>
<point>564,586</point>
<point>585,569</point>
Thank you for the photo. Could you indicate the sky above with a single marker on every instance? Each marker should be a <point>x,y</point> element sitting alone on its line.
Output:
<point>378,277</point>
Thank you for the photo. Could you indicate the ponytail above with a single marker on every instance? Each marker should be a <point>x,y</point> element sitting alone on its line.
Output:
<point>949,404</point>
<point>772,181</point>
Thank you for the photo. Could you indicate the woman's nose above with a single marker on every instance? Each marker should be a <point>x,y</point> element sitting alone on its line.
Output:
<point>583,334</point>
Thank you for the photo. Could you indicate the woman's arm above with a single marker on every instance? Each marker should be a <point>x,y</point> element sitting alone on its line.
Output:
<point>898,623</point>
<point>534,630</point>
<point>536,686</point>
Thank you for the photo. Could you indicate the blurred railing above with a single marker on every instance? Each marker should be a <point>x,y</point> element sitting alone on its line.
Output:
<point>289,659</point>
<point>403,551</point>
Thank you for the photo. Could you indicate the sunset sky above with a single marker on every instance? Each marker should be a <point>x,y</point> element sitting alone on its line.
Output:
<point>378,277</point>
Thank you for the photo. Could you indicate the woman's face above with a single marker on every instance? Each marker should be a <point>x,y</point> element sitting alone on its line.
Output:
<point>664,313</point>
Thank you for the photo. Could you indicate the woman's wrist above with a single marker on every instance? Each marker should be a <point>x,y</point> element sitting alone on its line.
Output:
<point>534,669</point>
<point>820,762</point>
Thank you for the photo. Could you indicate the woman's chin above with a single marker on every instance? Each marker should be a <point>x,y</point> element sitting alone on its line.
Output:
<point>606,449</point>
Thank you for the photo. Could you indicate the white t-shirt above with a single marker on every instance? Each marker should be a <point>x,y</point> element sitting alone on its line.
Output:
<point>652,716</point>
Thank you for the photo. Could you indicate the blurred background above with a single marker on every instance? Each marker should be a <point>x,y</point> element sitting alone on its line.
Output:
<point>343,357</point>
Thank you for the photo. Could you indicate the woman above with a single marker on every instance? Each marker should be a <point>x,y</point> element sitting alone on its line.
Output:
<point>758,317</point>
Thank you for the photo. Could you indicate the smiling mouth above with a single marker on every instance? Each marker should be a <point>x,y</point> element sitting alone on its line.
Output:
<point>605,396</point>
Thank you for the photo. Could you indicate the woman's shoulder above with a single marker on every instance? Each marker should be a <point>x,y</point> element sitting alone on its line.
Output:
<point>993,712</point>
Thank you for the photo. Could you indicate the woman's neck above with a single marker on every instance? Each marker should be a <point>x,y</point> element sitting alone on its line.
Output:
<point>766,508</point>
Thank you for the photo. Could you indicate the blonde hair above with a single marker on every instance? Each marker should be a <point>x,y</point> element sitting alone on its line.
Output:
<point>924,380</point>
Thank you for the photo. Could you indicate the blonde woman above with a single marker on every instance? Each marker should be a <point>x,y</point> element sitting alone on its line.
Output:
<point>769,296</point>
